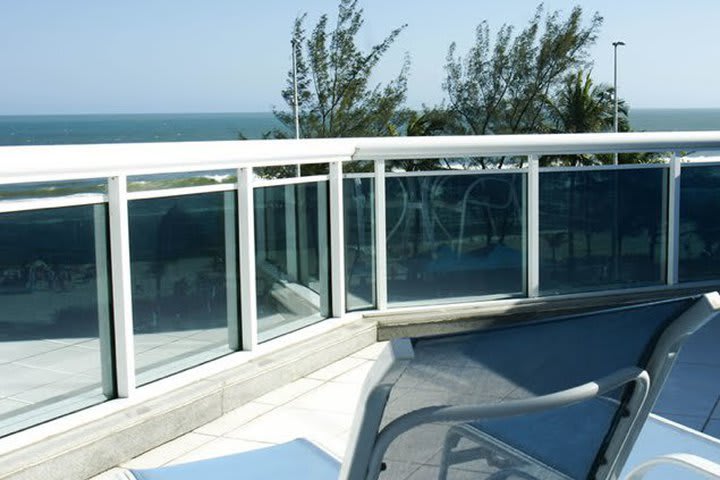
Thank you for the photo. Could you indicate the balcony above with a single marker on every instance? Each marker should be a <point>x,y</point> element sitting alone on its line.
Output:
<point>133,273</point>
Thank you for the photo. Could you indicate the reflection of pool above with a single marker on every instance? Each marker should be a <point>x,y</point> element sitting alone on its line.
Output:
<point>494,257</point>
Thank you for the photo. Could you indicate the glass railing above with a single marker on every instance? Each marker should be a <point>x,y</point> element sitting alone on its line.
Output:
<point>452,236</point>
<point>56,351</point>
<point>183,266</point>
<point>699,227</point>
<point>291,257</point>
<point>112,281</point>
<point>359,251</point>
<point>602,229</point>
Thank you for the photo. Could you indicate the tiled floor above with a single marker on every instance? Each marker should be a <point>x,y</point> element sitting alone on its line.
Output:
<point>691,395</point>
<point>318,407</point>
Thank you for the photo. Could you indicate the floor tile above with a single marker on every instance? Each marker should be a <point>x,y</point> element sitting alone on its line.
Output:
<point>289,392</point>
<point>689,390</point>
<point>715,414</point>
<point>337,368</point>
<point>218,447</point>
<point>356,375</point>
<point>371,352</point>
<point>114,474</point>
<point>337,445</point>
<point>330,397</point>
<point>702,346</point>
<point>713,428</point>
<point>695,422</point>
<point>235,419</point>
<point>167,452</point>
<point>285,424</point>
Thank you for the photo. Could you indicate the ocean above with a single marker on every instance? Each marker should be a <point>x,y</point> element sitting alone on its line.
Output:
<point>130,128</point>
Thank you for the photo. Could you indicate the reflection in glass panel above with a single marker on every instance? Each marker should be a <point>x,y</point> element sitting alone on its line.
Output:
<point>358,201</point>
<point>602,229</point>
<point>455,236</point>
<point>699,227</point>
<point>163,181</point>
<point>291,248</point>
<point>55,340</point>
<point>183,261</point>
<point>21,191</point>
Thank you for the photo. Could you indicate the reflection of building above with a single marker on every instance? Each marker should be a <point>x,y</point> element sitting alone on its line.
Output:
<point>221,292</point>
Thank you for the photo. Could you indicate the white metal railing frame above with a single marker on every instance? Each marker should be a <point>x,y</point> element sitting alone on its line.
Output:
<point>73,162</point>
<point>115,162</point>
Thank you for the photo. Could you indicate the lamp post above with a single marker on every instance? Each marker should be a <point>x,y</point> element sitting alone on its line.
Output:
<point>615,243</point>
<point>295,97</point>
<point>615,90</point>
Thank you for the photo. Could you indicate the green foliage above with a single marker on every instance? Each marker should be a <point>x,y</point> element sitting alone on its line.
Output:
<point>503,86</point>
<point>582,107</point>
<point>335,97</point>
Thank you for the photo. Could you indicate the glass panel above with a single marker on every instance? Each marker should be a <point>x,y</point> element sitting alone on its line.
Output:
<point>163,181</point>
<point>602,229</point>
<point>455,236</point>
<point>455,164</point>
<point>699,227</point>
<point>22,191</point>
<point>359,199</point>
<point>183,254</point>
<point>291,242</point>
<point>55,340</point>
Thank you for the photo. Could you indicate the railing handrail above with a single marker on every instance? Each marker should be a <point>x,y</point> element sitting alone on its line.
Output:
<point>20,164</point>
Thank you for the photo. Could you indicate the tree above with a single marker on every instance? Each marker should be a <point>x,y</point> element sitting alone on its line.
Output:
<point>503,86</point>
<point>581,106</point>
<point>334,94</point>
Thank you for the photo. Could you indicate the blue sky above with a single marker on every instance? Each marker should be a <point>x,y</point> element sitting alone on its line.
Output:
<point>97,56</point>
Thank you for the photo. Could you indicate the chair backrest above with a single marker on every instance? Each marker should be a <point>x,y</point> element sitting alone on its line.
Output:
<point>379,382</point>
<point>574,389</point>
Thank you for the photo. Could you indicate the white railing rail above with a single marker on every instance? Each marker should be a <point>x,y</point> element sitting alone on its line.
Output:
<point>74,162</point>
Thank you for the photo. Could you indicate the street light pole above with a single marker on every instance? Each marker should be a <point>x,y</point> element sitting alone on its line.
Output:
<point>295,96</point>
<point>295,89</point>
<point>615,90</point>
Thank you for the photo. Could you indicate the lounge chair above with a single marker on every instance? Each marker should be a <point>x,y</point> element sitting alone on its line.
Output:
<point>552,399</point>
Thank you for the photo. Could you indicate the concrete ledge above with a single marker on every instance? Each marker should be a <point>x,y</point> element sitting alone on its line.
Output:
<point>131,429</point>
<point>454,318</point>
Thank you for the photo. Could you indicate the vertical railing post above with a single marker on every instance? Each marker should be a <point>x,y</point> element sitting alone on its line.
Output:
<point>246,244</point>
<point>673,240</point>
<point>291,231</point>
<point>337,240</point>
<point>533,226</point>
<point>102,284</point>
<point>380,237</point>
<point>231,270</point>
<point>325,258</point>
<point>121,285</point>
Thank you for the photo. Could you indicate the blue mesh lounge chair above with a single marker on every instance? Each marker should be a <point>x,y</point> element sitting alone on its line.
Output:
<point>561,398</point>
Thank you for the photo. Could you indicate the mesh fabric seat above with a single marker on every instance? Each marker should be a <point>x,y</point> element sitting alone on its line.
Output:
<point>553,399</point>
